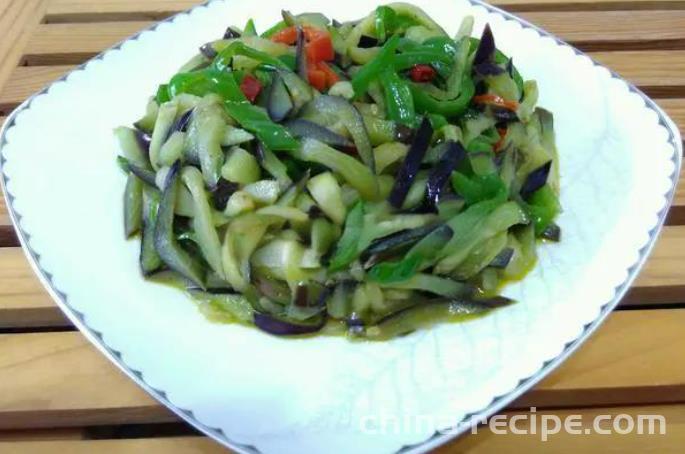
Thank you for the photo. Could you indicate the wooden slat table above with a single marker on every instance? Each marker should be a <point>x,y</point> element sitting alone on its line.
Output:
<point>58,394</point>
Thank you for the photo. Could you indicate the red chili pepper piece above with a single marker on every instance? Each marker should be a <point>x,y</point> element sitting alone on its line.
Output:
<point>422,73</point>
<point>251,87</point>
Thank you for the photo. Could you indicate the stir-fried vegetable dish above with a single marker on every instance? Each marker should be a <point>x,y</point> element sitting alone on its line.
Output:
<point>370,177</point>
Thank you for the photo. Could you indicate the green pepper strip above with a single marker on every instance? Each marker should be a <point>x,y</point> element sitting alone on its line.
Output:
<point>250,29</point>
<point>422,252</point>
<point>162,95</point>
<point>275,29</point>
<point>427,251</point>
<point>389,22</point>
<point>479,144</point>
<point>257,121</point>
<point>542,207</point>
<point>399,103</point>
<point>223,60</point>
<point>346,250</point>
<point>372,70</point>
<point>442,44</point>
<point>209,80</point>
<point>478,188</point>
<point>384,18</point>
<point>425,103</point>
<point>412,58</point>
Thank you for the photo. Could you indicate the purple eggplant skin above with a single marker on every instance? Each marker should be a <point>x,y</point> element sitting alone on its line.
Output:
<point>551,233</point>
<point>535,180</point>
<point>366,42</point>
<point>146,175</point>
<point>143,139</point>
<point>181,123</point>
<point>453,155</point>
<point>312,295</point>
<point>279,103</point>
<point>486,47</point>
<point>222,192</point>
<point>504,116</point>
<point>231,33</point>
<point>396,241</point>
<point>301,297</point>
<point>304,128</point>
<point>409,319</point>
<point>300,56</point>
<point>404,133</point>
<point>259,151</point>
<point>279,327</point>
<point>502,259</point>
<point>487,68</point>
<point>412,163</point>
<point>455,305</point>
<point>208,51</point>
<point>166,244</point>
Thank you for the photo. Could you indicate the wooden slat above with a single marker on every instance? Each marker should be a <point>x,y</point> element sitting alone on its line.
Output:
<point>485,441</point>
<point>17,20</point>
<point>57,379</point>
<point>176,445</point>
<point>24,302</point>
<point>101,10</point>
<point>659,73</point>
<point>113,10</point>
<point>588,5</point>
<point>73,42</point>
<point>629,360</point>
<point>662,280</point>
<point>8,237</point>
<point>613,30</point>
<point>25,81</point>
<point>675,108</point>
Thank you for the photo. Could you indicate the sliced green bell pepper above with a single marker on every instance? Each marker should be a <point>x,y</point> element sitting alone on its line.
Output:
<point>257,121</point>
<point>542,207</point>
<point>423,252</point>
<point>399,103</point>
<point>388,22</point>
<point>372,70</point>
<point>425,103</point>
<point>479,188</point>
<point>346,250</point>
<point>209,80</point>
<point>162,94</point>
<point>250,29</point>
<point>225,57</point>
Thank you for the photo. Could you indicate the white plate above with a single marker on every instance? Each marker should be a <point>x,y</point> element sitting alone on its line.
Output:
<point>620,157</point>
